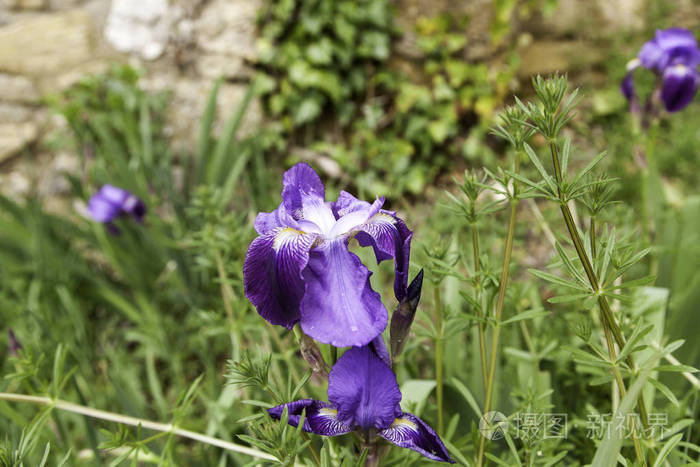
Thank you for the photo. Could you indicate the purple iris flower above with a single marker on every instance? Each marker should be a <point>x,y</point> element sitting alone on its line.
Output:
<point>674,56</point>
<point>364,395</point>
<point>111,202</point>
<point>299,268</point>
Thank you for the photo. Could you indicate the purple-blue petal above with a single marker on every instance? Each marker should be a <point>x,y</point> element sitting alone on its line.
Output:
<point>102,210</point>
<point>110,202</point>
<point>409,431</point>
<point>321,417</point>
<point>385,232</point>
<point>272,274</point>
<point>390,238</point>
<point>266,221</point>
<point>339,306</point>
<point>627,86</point>
<point>670,47</point>
<point>379,347</point>
<point>363,389</point>
<point>678,87</point>
<point>303,196</point>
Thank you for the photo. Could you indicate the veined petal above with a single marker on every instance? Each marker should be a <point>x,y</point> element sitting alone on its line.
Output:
<point>352,220</point>
<point>363,389</point>
<point>339,306</point>
<point>321,417</point>
<point>266,221</point>
<point>409,431</point>
<point>303,196</point>
<point>384,231</point>
<point>390,238</point>
<point>678,87</point>
<point>272,274</point>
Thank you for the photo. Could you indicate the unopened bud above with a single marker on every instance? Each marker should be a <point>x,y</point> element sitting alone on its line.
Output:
<point>402,319</point>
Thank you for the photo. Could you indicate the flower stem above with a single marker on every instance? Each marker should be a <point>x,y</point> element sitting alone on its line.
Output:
<point>477,285</point>
<point>610,326</point>
<point>438,357</point>
<point>228,297</point>
<point>133,421</point>
<point>498,313</point>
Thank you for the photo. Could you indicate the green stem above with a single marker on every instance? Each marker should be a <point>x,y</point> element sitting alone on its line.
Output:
<point>228,297</point>
<point>133,421</point>
<point>610,326</point>
<point>497,325</point>
<point>593,240</point>
<point>500,301</point>
<point>438,357</point>
<point>482,336</point>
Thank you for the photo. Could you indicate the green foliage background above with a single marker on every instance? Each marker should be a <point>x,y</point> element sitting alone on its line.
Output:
<point>151,323</point>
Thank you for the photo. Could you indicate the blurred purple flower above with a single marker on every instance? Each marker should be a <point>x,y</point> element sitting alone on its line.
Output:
<point>299,268</point>
<point>14,345</point>
<point>674,56</point>
<point>111,202</point>
<point>364,395</point>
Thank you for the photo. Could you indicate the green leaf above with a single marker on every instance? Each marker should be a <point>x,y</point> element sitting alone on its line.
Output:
<point>666,450</point>
<point>540,168</point>
<point>555,279</point>
<point>466,393</point>
<point>530,314</point>
<point>608,450</point>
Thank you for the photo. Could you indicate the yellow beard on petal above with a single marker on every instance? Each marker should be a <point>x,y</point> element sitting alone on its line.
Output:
<point>285,235</point>
<point>404,423</point>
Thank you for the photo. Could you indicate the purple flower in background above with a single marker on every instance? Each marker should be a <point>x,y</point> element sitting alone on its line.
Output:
<point>364,395</point>
<point>674,56</point>
<point>111,202</point>
<point>299,268</point>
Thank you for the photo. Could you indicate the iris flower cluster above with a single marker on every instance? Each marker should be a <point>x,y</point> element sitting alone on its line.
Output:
<point>673,55</point>
<point>299,270</point>
<point>112,202</point>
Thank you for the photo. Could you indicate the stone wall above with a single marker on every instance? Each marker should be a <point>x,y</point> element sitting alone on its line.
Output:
<point>48,45</point>
<point>183,45</point>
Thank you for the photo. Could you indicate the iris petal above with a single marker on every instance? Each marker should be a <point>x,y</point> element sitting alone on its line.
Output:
<point>390,238</point>
<point>266,221</point>
<point>272,274</point>
<point>363,389</point>
<point>321,417</point>
<point>102,210</point>
<point>339,306</point>
<point>409,431</point>
<point>679,86</point>
<point>385,232</point>
<point>303,196</point>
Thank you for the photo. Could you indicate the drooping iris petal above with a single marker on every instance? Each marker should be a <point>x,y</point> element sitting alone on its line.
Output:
<point>364,390</point>
<point>627,86</point>
<point>321,417</point>
<point>385,232</point>
<point>339,306</point>
<point>678,87</point>
<point>409,431</point>
<point>272,274</point>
